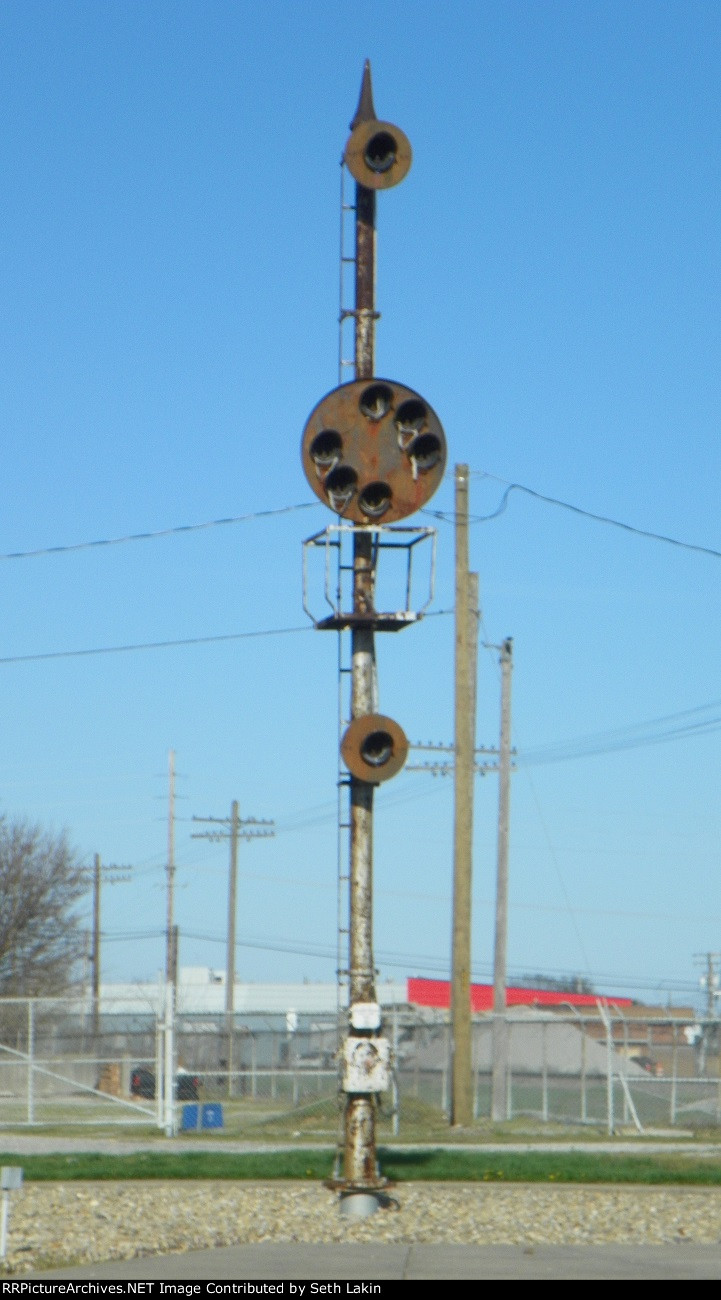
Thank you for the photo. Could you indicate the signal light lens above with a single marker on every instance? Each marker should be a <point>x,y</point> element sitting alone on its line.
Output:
<point>340,486</point>
<point>375,500</point>
<point>410,420</point>
<point>381,152</point>
<point>424,452</point>
<point>375,402</point>
<point>377,748</point>
<point>326,449</point>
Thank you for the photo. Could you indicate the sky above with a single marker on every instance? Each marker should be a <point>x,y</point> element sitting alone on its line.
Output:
<point>548,279</point>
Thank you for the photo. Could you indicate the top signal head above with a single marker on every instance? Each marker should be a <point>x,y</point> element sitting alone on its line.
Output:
<point>378,154</point>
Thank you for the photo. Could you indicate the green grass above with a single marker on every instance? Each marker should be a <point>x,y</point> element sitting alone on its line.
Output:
<point>400,1166</point>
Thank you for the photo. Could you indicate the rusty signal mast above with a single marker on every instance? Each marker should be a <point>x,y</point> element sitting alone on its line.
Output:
<point>374,452</point>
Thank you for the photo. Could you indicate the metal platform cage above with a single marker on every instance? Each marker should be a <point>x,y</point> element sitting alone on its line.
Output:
<point>335,543</point>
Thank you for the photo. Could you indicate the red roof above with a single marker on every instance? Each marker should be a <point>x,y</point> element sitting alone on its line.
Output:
<point>437,993</point>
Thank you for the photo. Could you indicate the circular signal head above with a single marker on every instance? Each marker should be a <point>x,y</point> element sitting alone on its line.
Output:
<point>374,451</point>
<point>374,748</point>
<point>378,155</point>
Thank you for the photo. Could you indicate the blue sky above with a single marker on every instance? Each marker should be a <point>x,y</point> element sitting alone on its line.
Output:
<point>548,277</point>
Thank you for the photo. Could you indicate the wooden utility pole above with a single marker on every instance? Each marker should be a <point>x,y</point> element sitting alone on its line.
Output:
<point>96,945</point>
<point>234,829</point>
<point>500,1028</point>
<point>232,892</point>
<point>464,760</point>
<point>112,875</point>
<point>171,965</point>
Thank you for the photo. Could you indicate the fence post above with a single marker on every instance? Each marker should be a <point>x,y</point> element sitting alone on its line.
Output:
<point>625,1059</point>
<point>394,1077</point>
<point>31,1057</point>
<point>544,1074</point>
<point>509,1071</point>
<point>477,1085</point>
<point>674,1072</point>
<point>169,1062</point>
<point>605,1014</point>
<point>584,1096</point>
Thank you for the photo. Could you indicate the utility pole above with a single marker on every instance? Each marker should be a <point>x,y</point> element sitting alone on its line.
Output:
<point>234,829</point>
<point>500,959</point>
<point>96,945</point>
<point>465,723</point>
<point>709,981</point>
<point>112,875</point>
<point>171,947</point>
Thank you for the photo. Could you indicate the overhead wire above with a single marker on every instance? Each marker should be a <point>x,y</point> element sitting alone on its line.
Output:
<point>154,534</point>
<point>434,963</point>
<point>622,738</point>
<point>447,516</point>
<point>632,736</point>
<point>152,645</point>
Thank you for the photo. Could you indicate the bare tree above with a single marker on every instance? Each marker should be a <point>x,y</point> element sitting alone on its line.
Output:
<point>41,881</point>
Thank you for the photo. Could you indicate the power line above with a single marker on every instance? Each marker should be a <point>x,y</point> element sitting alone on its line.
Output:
<point>422,961</point>
<point>447,516</point>
<point>633,736</point>
<point>160,532</point>
<point>152,645</point>
<point>166,645</point>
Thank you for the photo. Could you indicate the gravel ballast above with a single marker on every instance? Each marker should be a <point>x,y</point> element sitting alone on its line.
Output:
<point>55,1224</point>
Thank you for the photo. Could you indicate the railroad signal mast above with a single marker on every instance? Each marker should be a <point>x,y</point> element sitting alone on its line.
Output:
<point>374,452</point>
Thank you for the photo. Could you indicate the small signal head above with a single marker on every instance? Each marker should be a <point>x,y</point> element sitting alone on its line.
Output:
<point>374,748</point>
<point>378,154</point>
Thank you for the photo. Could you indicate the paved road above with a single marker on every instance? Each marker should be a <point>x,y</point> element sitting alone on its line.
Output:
<point>276,1262</point>
<point>29,1144</point>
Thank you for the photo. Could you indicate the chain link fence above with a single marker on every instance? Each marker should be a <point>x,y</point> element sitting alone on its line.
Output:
<point>64,1062</point>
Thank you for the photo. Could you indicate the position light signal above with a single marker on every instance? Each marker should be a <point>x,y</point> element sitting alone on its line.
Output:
<point>374,748</point>
<point>373,451</point>
<point>378,154</point>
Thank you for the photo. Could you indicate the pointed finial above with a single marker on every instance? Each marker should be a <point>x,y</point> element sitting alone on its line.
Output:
<point>365,111</point>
